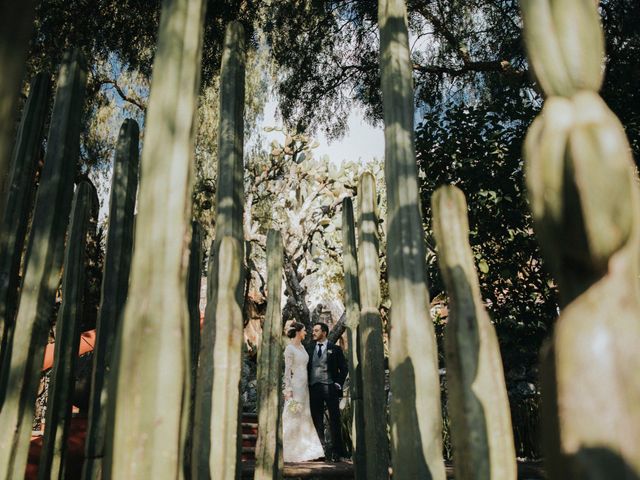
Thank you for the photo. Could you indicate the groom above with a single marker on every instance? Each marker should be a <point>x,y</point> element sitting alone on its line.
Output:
<point>327,372</point>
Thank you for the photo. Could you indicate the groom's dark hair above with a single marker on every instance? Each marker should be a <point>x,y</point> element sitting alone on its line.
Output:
<point>323,326</point>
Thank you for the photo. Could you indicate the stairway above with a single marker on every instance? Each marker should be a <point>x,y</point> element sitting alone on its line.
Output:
<point>249,430</point>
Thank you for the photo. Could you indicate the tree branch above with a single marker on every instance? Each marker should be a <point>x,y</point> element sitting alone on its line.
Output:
<point>501,66</point>
<point>121,93</point>
<point>468,64</point>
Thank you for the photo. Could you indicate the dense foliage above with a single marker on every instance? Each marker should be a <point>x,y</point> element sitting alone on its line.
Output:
<point>474,99</point>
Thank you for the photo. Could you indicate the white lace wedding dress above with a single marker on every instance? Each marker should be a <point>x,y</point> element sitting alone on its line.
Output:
<point>299,437</point>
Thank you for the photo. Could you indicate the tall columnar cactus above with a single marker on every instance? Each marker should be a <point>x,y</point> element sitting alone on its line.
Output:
<point>152,380</point>
<point>370,341</point>
<point>84,216</point>
<point>194,279</point>
<point>26,155</point>
<point>115,286</point>
<point>352,310</point>
<point>229,204</point>
<point>230,185</point>
<point>21,370</point>
<point>478,403</point>
<point>16,25</point>
<point>225,401</point>
<point>416,418</point>
<point>584,197</point>
<point>269,461</point>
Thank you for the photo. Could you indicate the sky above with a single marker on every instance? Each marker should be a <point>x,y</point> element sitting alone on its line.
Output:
<point>362,141</point>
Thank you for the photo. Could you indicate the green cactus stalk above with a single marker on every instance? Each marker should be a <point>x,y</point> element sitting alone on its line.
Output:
<point>416,416</point>
<point>16,25</point>
<point>479,411</point>
<point>352,311</point>
<point>194,278</point>
<point>84,216</point>
<point>269,460</point>
<point>230,184</point>
<point>152,380</point>
<point>26,155</point>
<point>201,431</point>
<point>585,201</point>
<point>370,342</point>
<point>225,401</point>
<point>229,215</point>
<point>42,271</point>
<point>115,286</point>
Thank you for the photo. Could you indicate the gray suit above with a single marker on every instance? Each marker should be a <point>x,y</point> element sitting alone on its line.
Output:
<point>327,373</point>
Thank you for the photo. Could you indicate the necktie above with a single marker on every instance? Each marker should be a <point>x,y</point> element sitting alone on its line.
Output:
<point>319,350</point>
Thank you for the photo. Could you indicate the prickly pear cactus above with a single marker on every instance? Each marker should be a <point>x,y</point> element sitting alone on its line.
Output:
<point>584,197</point>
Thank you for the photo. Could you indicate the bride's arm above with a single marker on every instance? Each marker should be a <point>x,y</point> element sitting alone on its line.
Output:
<point>288,364</point>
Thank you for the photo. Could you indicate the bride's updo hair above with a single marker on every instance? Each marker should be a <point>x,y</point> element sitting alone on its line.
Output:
<point>292,327</point>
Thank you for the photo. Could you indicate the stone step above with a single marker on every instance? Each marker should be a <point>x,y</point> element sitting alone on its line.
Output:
<point>250,416</point>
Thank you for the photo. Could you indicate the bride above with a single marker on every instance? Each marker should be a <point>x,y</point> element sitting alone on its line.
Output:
<point>299,436</point>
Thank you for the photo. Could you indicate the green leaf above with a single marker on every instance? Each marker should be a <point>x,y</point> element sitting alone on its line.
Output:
<point>482,265</point>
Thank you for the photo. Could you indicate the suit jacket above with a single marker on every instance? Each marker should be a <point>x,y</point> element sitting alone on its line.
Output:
<point>336,363</point>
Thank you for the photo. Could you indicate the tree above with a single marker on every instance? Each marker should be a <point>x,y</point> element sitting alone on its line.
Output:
<point>474,98</point>
<point>290,190</point>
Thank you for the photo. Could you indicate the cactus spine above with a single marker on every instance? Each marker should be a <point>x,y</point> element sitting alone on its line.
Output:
<point>16,24</point>
<point>416,417</point>
<point>370,338</point>
<point>585,201</point>
<point>269,462</point>
<point>478,403</point>
<point>19,203</point>
<point>115,285</point>
<point>84,213</point>
<point>153,383</point>
<point>42,272</point>
<point>352,309</point>
<point>229,204</point>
